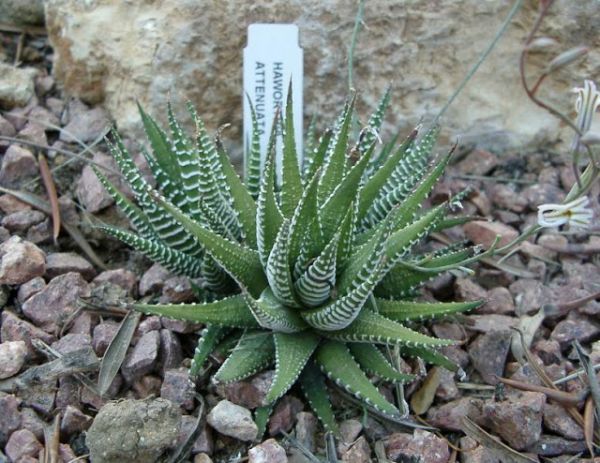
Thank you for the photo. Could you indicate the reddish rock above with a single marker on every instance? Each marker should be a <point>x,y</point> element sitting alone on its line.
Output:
<point>52,306</point>
<point>34,133</point>
<point>22,443</point>
<point>467,290</point>
<point>543,193</point>
<point>488,354</point>
<point>15,329</point>
<point>6,128</point>
<point>151,323</point>
<point>170,355</point>
<point>449,416</point>
<point>478,162</point>
<point>284,415</point>
<point>20,261</point>
<point>484,233</point>
<point>10,418</point>
<point>529,295</point>
<point>472,452</point>
<point>447,389</point>
<point>583,329</point>
<point>232,420</point>
<point>18,165</point>
<point>147,386</point>
<point>90,191</point>
<point>180,326</point>
<point>552,446</point>
<point>154,279</point>
<point>177,289</point>
<point>359,452</point>
<point>10,204</point>
<point>422,445</point>
<point>350,429</point>
<point>548,351</point>
<point>103,335</point>
<point>249,393</point>
<point>306,428</point>
<point>59,263</point>
<point>518,420</point>
<point>506,197</point>
<point>30,420</point>
<point>74,421</point>
<point>204,441</point>
<point>142,358</point>
<point>72,342</point>
<point>178,388</point>
<point>29,288</point>
<point>85,124</point>
<point>268,452</point>
<point>557,420</point>
<point>120,277</point>
<point>491,323</point>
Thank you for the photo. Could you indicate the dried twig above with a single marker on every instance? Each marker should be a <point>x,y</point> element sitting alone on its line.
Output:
<point>52,196</point>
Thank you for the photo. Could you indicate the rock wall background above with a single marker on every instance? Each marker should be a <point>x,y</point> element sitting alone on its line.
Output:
<point>115,52</point>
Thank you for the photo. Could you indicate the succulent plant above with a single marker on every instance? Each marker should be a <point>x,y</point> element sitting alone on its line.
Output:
<point>314,272</point>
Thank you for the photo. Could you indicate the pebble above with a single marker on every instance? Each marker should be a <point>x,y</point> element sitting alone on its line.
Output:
<point>359,452</point>
<point>85,124</point>
<point>30,420</point>
<point>20,261</point>
<point>484,233</point>
<point>478,162</point>
<point>141,360</point>
<point>421,445</point>
<point>153,279</point>
<point>59,263</point>
<point>506,197</point>
<point>472,452</point>
<point>268,452</point>
<point>34,133</point>
<point>16,85</point>
<point>566,331</point>
<point>12,358</point>
<point>557,420</point>
<point>20,221</point>
<point>125,279</point>
<point>202,458</point>
<point>6,128</point>
<point>72,342</point>
<point>204,442</point>
<point>178,388</point>
<point>176,290</point>
<point>232,420</point>
<point>552,446</point>
<point>90,191</point>
<point>249,393</point>
<point>29,288</point>
<point>10,418</point>
<point>15,329</point>
<point>18,165</point>
<point>488,354</point>
<point>103,334</point>
<point>518,419</point>
<point>10,204</point>
<point>306,428</point>
<point>350,429</point>
<point>22,443</point>
<point>499,301</point>
<point>449,416</point>
<point>284,415</point>
<point>542,193</point>
<point>135,431</point>
<point>74,421</point>
<point>170,353</point>
<point>52,306</point>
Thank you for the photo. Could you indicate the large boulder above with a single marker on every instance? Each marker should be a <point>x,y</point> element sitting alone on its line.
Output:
<point>154,50</point>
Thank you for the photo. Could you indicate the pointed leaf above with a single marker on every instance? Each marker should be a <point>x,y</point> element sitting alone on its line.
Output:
<point>430,356</point>
<point>268,215</point>
<point>418,311</point>
<point>232,311</point>
<point>315,391</point>
<point>374,362</point>
<point>253,352</point>
<point>208,340</point>
<point>292,352</point>
<point>278,268</point>
<point>252,157</point>
<point>291,186</point>
<point>272,315</point>
<point>335,360</point>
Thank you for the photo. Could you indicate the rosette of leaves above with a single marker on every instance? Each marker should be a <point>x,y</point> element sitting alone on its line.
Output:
<point>312,271</point>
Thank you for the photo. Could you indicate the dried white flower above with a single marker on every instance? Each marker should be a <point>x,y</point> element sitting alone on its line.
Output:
<point>575,213</point>
<point>588,100</point>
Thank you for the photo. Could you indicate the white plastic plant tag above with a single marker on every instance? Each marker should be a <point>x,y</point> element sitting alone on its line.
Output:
<point>271,58</point>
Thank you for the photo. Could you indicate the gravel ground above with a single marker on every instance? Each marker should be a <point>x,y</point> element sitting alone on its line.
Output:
<point>51,346</point>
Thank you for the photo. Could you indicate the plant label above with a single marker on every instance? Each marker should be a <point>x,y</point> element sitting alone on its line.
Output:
<point>271,58</point>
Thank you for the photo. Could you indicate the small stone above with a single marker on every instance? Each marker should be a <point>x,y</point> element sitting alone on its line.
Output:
<point>135,431</point>
<point>22,443</point>
<point>566,331</point>
<point>548,351</point>
<point>103,335</point>
<point>20,221</point>
<point>484,233</point>
<point>68,392</point>
<point>29,288</point>
<point>491,323</point>
<point>505,197</point>
<point>449,416</point>
<point>180,326</point>
<point>232,420</point>
<point>16,85</point>
<point>529,295</point>
<point>66,453</point>
<point>268,452</point>
<point>202,458</point>
<point>10,418</point>
<point>359,452</point>
<point>120,277</point>
<point>59,263</point>
<point>15,329</point>
<point>43,117</point>
<point>557,420</point>
<point>151,323</point>
<point>74,421</point>
<point>142,358</point>
<point>488,354</point>
<point>349,432</point>
<point>306,428</point>
<point>204,442</point>
<point>472,452</point>
<point>153,279</point>
<point>40,233</point>
<point>6,128</point>
<point>178,388</point>
<point>543,193</point>
<point>284,415</point>
<point>72,342</point>
<point>478,162</point>
<point>170,354</point>
<point>551,446</point>
<point>85,124</point>
<point>518,420</point>
<point>33,133</point>
<point>90,190</point>
<point>55,105</point>
<point>467,290</point>
<point>249,394</point>
<point>10,204</point>
<point>176,290</point>
<point>56,302</point>
<point>20,261</point>
<point>30,420</point>
<point>499,301</point>
<point>447,389</point>
<point>41,396</point>
<point>422,446</point>
<point>12,358</point>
